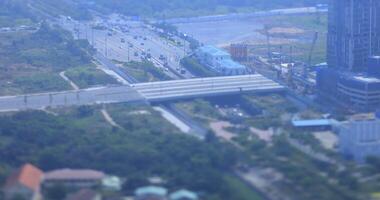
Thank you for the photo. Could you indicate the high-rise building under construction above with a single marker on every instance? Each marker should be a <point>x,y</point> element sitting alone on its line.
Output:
<point>353,33</point>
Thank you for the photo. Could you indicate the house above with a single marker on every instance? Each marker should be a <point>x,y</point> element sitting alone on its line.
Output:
<point>183,195</point>
<point>24,183</point>
<point>151,193</point>
<point>112,183</point>
<point>85,194</point>
<point>74,178</point>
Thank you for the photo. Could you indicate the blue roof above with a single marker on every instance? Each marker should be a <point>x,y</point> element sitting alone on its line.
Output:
<point>230,64</point>
<point>314,122</point>
<point>213,51</point>
<point>151,190</point>
<point>183,194</point>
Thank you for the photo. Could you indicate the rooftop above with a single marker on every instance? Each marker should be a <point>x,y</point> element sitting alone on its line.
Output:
<point>361,77</point>
<point>68,174</point>
<point>183,194</point>
<point>213,51</point>
<point>367,79</point>
<point>151,190</point>
<point>313,122</point>
<point>28,176</point>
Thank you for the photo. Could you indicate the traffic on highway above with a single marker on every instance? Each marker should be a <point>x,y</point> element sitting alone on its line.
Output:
<point>122,40</point>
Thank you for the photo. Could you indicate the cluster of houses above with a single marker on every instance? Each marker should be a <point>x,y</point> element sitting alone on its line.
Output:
<point>31,183</point>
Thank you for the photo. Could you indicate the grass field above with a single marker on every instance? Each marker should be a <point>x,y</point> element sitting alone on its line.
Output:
<point>89,75</point>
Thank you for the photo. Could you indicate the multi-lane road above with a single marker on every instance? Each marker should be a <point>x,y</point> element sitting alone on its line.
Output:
<point>111,94</point>
<point>131,41</point>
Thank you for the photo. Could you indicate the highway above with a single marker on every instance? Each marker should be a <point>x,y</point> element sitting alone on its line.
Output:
<point>110,94</point>
<point>139,41</point>
<point>143,92</point>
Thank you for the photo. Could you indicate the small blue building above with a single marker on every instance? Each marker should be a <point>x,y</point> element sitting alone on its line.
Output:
<point>220,61</point>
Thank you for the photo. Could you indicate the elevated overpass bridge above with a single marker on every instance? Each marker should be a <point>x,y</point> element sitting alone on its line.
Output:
<point>144,92</point>
<point>203,87</point>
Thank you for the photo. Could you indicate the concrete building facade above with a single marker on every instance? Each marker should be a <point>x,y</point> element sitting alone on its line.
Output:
<point>353,33</point>
<point>352,77</point>
<point>360,139</point>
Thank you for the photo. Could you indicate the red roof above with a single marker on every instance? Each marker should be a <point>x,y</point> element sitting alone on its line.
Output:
<point>28,176</point>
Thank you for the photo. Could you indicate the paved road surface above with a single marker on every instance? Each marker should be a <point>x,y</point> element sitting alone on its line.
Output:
<point>70,98</point>
<point>202,87</point>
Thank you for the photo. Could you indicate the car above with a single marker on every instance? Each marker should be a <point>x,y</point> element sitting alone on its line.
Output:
<point>183,71</point>
<point>142,44</point>
<point>144,38</point>
<point>136,54</point>
<point>130,45</point>
<point>161,57</point>
<point>122,40</point>
<point>109,34</point>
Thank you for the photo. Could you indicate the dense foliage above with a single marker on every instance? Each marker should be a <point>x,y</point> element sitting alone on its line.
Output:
<point>81,138</point>
<point>30,62</point>
<point>14,12</point>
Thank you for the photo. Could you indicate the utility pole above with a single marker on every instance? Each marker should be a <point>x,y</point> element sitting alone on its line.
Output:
<point>184,47</point>
<point>291,53</point>
<point>106,47</point>
<point>78,98</point>
<point>268,42</point>
<point>50,99</point>
<point>92,36</point>
<point>128,53</point>
<point>26,100</point>
<point>86,27</point>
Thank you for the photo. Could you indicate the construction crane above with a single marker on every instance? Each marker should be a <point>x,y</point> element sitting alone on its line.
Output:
<point>266,29</point>
<point>315,38</point>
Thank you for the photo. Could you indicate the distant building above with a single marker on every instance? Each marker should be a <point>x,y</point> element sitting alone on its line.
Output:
<point>315,124</point>
<point>353,72</point>
<point>353,33</point>
<point>151,193</point>
<point>239,52</point>
<point>183,195</point>
<point>220,61</point>
<point>358,91</point>
<point>74,178</point>
<point>85,194</point>
<point>24,183</point>
<point>359,139</point>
